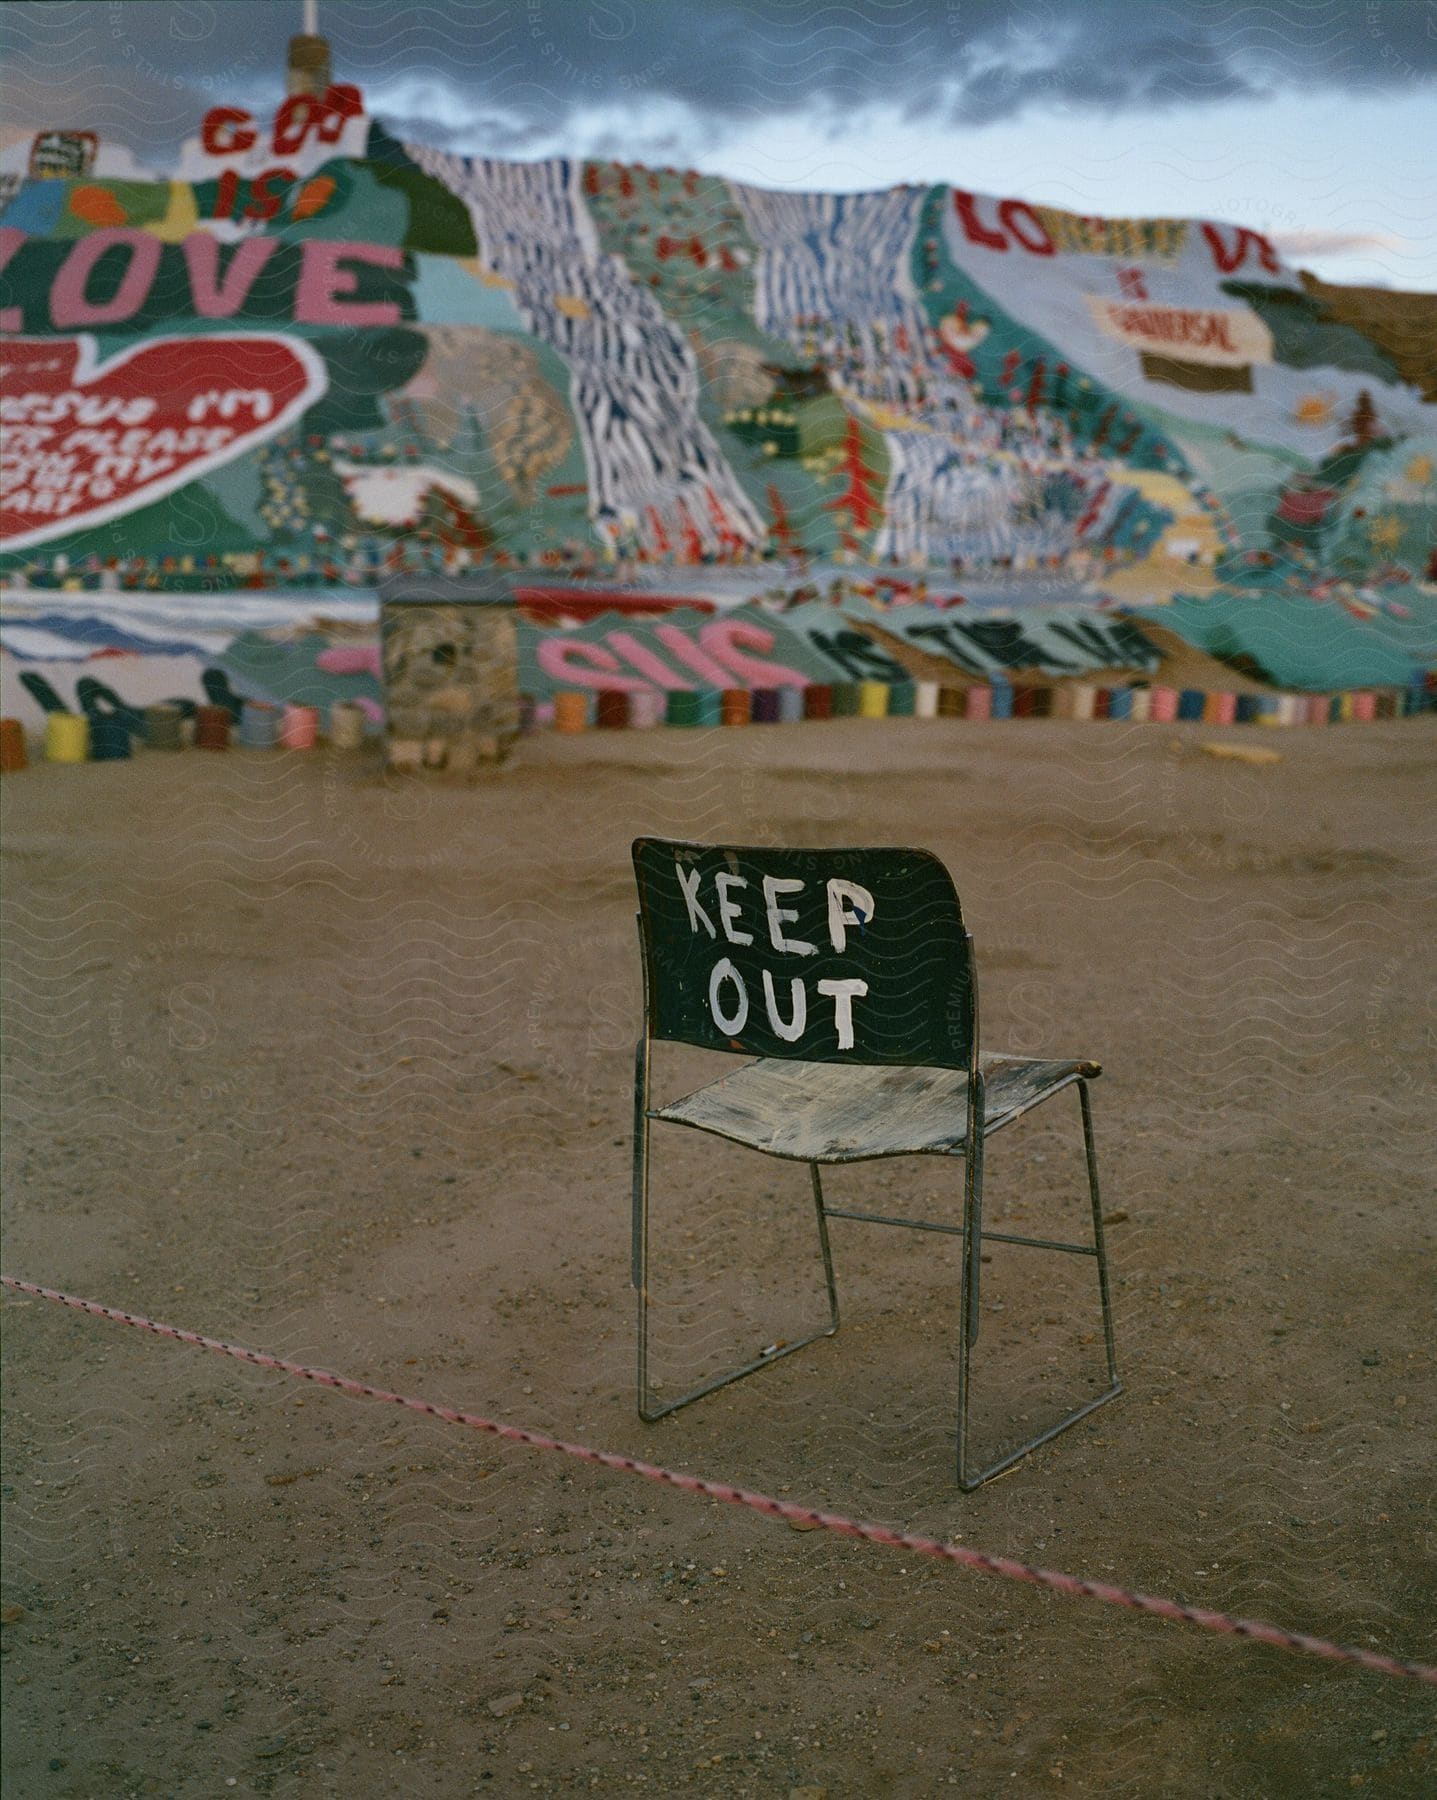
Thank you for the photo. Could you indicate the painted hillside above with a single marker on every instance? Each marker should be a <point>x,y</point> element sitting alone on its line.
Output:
<point>315,353</point>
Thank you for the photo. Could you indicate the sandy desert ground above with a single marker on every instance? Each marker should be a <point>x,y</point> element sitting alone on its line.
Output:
<point>338,1066</point>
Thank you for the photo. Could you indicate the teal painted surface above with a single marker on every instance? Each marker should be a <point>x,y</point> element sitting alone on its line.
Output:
<point>1299,643</point>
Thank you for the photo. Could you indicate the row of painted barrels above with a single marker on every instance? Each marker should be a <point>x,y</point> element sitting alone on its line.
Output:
<point>577,710</point>
<point>99,737</point>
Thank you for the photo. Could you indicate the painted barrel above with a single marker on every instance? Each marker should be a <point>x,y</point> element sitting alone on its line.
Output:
<point>1245,712</point>
<point>979,702</point>
<point>790,705</point>
<point>346,725</point>
<point>1001,705</point>
<point>1120,703</point>
<point>763,706</point>
<point>902,700</point>
<point>299,726</point>
<point>953,703</point>
<point>925,700</point>
<point>1023,707</point>
<point>1141,705</point>
<point>109,739</point>
<point>647,709</point>
<point>259,725</point>
<point>1364,706</point>
<point>12,746</point>
<point>212,728</point>
<point>67,737</point>
<point>873,699</point>
<point>710,707</point>
<point>571,710</point>
<point>1335,714</point>
<point>1269,709</point>
<point>1318,707</point>
<point>685,707</point>
<point>1386,706</point>
<point>611,710</point>
<point>818,701</point>
<point>845,699</point>
<point>1163,706</point>
<point>1190,704</point>
<point>1100,702</point>
<point>1222,709</point>
<point>1084,699</point>
<point>736,706</point>
<point>162,728</point>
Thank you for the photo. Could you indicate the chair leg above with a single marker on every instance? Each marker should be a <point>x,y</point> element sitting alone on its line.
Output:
<point>818,1208</point>
<point>1114,1385</point>
<point>639,1242</point>
<point>973,1250</point>
<point>650,1408</point>
<point>970,1317</point>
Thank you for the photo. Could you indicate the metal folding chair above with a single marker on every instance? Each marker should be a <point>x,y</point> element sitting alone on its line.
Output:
<point>847,977</point>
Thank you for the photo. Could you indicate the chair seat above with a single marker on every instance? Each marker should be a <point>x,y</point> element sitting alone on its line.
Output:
<point>852,1112</point>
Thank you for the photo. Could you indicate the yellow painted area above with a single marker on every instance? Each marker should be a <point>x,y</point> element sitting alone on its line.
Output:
<point>572,306</point>
<point>1314,409</point>
<point>181,215</point>
<point>482,273</point>
<point>1418,471</point>
<point>1156,485</point>
<point>889,418</point>
<point>1191,527</point>
<point>1157,576</point>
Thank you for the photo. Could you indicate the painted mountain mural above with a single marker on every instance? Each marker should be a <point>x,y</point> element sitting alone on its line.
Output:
<point>316,353</point>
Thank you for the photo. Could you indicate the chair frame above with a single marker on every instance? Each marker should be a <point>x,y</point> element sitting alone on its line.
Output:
<point>971,1232</point>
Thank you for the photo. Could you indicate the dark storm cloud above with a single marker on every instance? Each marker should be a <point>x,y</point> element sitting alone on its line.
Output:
<point>510,74</point>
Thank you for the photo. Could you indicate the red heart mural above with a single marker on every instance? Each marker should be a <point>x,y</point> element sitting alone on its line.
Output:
<point>86,441</point>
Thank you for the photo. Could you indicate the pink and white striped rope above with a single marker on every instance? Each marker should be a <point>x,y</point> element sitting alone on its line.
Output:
<point>1253,1630</point>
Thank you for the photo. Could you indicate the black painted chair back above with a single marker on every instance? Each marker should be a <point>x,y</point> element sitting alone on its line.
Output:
<point>845,956</point>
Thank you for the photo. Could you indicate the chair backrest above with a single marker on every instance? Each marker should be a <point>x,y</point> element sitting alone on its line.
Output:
<point>847,956</point>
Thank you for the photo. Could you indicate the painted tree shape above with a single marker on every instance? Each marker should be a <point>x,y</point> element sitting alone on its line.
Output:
<point>858,500</point>
<point>1362,425</point>
<point>658,537</point>
<point>453,524</point>
<point>782,529</point>
<point>730,543</point>
<point>693,544</point>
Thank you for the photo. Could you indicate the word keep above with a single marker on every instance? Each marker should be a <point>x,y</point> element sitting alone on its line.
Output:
<point>849,906</point>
